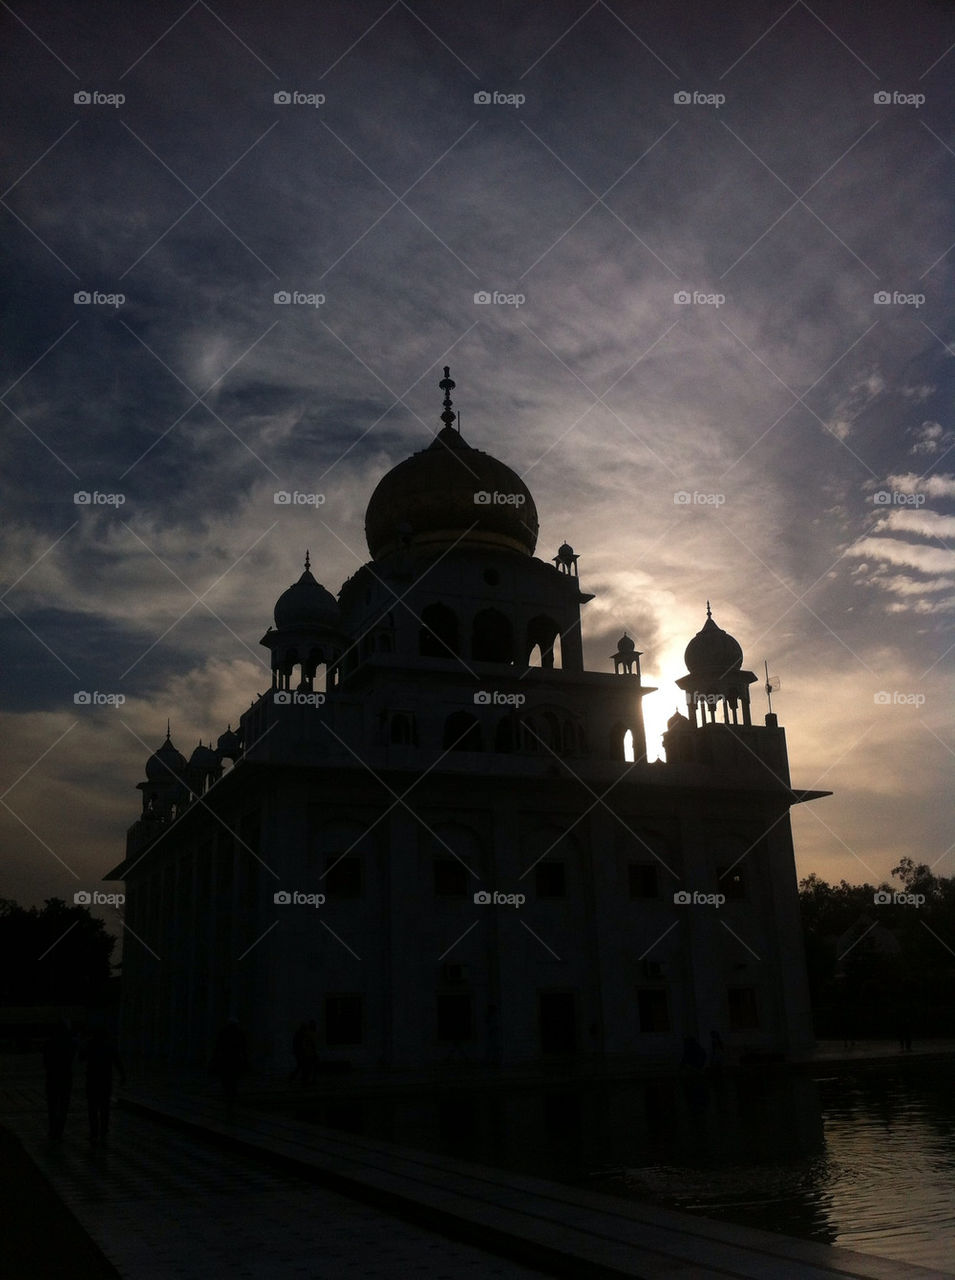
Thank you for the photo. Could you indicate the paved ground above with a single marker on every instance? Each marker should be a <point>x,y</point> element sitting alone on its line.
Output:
<point>162,1205</point>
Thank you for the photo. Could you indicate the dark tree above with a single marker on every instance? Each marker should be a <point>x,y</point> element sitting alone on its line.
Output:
<point>56,954</point>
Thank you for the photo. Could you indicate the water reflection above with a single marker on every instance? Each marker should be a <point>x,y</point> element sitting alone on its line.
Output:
<point>863,1158</point>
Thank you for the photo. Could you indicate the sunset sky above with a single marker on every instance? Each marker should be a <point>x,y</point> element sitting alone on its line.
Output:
<point>788,169</point>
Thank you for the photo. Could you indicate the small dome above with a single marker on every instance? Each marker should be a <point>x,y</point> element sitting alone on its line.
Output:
<point>625,644</point>
<point>677,721</point>
<point>163,764</point>
<point>203,758</point>
<point>565,551</point>
<point>712,651</point>
<point>228,746</point>
<point>306,605</point>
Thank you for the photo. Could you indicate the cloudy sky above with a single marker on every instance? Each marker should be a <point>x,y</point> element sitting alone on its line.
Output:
<point>720,240</point>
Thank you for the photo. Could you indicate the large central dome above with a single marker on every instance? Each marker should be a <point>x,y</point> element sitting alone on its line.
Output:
<point>450,494</point>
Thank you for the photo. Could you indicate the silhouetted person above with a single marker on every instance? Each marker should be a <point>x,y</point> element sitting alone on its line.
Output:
<point>694,1055</point>
<point>229,1060</point>
<point>101,1057</point>
<point>298,1053</point>
<point>310,1054</point>
<point>58,1054</point>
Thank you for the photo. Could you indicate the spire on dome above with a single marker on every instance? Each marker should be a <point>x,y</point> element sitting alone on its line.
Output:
<point>708,613</point>
<point>447,385</point>
<point>307,565</point>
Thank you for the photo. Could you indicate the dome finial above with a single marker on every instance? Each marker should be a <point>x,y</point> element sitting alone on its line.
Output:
<point>307,565</point>
<point>708,614</point>
<point>168,730</point>
<point>447,385</point>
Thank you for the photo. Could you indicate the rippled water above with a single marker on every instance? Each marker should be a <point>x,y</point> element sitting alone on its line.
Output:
<point>864,1158</point>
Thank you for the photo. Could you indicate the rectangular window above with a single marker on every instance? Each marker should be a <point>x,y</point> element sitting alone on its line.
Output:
<point>551,880</point>
<point>731,882</point>
<point>653,1009</point>
<point>644,880</point>
<point>743,1010</point>
<point>455,1022</point>
<point>342,877</point>
<point>342,1020</point>
<point>450,877</point>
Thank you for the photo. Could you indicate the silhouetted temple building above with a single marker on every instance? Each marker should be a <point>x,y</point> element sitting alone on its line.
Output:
<point>500,883</point>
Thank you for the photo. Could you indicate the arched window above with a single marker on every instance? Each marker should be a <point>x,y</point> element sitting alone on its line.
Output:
<point>462,732</point>
<point>492,639</point>
<point>439,634</point>
<point>543,634</point>
<point>617,742</point>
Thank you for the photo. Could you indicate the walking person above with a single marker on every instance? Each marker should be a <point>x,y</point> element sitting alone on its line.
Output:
<point>101,1057</point>
<point>229,1061</point>
<point>58,1054</point>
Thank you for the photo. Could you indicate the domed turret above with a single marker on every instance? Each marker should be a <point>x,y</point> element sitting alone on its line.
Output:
<point>450,494</point>
<point>165,763</point>
<point>712,651</point>
<point>306,604</point>
<point>228,746</point>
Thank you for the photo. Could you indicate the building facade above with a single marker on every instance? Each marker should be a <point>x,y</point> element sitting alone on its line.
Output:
<point>428,834</point>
